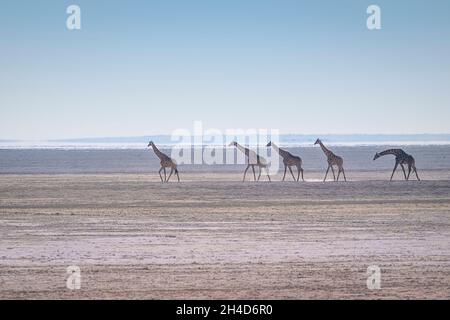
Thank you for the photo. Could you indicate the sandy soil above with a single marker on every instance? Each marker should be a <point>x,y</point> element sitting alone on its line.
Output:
<point>212,236</point>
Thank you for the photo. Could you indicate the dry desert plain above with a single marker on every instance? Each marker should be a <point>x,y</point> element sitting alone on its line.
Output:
<point>212,236</point>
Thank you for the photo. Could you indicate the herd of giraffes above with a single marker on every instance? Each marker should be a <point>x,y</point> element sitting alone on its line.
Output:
<point>290,160</point>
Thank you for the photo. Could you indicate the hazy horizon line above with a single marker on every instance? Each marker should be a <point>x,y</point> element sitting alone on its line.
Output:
<point>428,136</point>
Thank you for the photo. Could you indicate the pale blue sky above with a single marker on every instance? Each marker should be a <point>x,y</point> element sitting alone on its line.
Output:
<point>149,67</point>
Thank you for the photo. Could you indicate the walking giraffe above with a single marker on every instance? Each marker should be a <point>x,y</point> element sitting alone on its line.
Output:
<point>332,160</point>
<point>166,162</point>
<point>401,158</point>
<point>253,160</point>
<point>289,160</point>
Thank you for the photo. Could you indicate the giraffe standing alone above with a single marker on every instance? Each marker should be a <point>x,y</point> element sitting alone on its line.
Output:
<point>166,162</point>
<point>332,160</point>
<point>401,158</point>
<point>253,160</point>
<point>289,160</point>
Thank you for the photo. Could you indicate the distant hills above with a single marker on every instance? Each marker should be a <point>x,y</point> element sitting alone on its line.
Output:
<point>283,140</point>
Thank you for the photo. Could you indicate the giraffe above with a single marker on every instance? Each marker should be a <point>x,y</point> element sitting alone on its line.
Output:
<point>253,159</point>
<point>401,158</point>
<point>332,160</point>
<point>289,160</point>
<point>166,162</point>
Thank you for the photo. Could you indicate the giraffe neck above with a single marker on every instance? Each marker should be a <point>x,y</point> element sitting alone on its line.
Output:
<point>280,151</point>
<point>242,149</point>
<point>395,152</point>
<point>327,152</point>
<point>158,153</point>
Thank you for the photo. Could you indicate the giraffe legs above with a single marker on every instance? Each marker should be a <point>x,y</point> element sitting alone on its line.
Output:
<point>343,172</point>
<point>341,169</point>
<point>404,173</point>
<point>299,170</point>
<point>393,171</point>
<point>293,177</point>
<point>332,170</point>
<point>267,172</point>
<point>326,173</point>
<point>285,168</point>
<point>171,172</point>
<point>245,172</point>
<point>409,171</point>
<point>246,169</point>
<point>412,167</point>
<point>268,176</point>
<point>415,170</point>
<point>160,174</point>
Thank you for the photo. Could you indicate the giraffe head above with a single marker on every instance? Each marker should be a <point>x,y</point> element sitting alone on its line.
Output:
<point>317,141</point>
<point>377,155</point>
<point>150,143</point>
<point>269,144</point>
<point>234,143</point>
